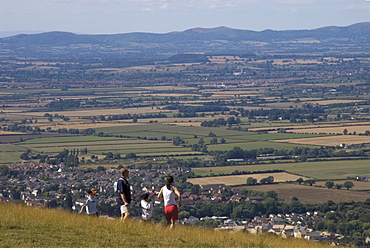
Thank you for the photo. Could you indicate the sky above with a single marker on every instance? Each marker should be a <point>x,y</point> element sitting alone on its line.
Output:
<point>162,16</point>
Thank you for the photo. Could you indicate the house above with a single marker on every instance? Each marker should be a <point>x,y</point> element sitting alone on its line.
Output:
<point>312,235</point>
<point>190,220</point>
<point>237,198</point>
<point>212,187</point>
<point>286,233</point>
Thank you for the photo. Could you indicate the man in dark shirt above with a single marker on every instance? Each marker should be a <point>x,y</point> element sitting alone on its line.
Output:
<point>124,197</point>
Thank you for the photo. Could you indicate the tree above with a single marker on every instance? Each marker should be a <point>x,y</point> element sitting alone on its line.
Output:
<point>338,186</point>
<point>310,182</point>
<point>212,134</point>
<point>348,185</point>
<point>24,156</point>
<point>130,155</point>
<point>176,141</point>
<point>345,131</point>
<point>300,180</point>
<point>213,141</point>
<point>251,181</point>
<point>267,180</point>
<point>329,184</point>
<point>4,170</point>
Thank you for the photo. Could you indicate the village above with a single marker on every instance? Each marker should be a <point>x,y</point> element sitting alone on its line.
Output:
<point>54,186</point>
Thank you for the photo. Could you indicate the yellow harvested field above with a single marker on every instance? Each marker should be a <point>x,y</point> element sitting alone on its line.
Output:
<point>334,130</point>
<point>326,102</point>
<point>322,128</point>
<point>329,140</point>
<point>167,94</point>
<point>7,132</point>
<point>241,179</point>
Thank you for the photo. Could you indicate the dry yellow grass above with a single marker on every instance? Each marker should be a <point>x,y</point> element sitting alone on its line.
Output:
<point>241,179</point>
<point>326,102</point>
<point>359,127</point>
<point>337,129</point>
<point>329,140</point>
<point>34,227</point>
<point>6,132</point>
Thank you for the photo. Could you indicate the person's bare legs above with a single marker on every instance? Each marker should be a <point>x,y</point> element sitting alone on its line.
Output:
<point>172,224</point>
<point>124,216</point>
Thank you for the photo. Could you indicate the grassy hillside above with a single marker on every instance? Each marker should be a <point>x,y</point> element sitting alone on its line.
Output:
<point>22,226</point>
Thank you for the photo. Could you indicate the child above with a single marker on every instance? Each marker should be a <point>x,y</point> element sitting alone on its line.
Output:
<point>167,194</point>
<point>146,207</point>
<point>91,204</point>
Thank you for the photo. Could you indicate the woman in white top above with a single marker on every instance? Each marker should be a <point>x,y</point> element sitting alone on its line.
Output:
<point>167,194</point>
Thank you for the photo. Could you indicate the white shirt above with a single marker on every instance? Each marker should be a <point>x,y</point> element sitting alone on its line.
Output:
<point>146,209</point>
<point>168,196</point>
<point>91,205</point>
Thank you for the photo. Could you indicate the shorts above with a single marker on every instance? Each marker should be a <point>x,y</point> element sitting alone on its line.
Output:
<point>94,214</point>
<point>171,212</point>
<point>124,209</point>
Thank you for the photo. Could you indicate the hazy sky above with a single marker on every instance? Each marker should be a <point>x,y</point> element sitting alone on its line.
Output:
<point>161,16</point>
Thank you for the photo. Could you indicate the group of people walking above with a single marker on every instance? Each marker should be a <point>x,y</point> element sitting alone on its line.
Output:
<point>167,194</point>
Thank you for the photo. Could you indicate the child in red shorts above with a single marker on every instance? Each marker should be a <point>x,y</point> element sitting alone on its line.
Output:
<point>168,194</point>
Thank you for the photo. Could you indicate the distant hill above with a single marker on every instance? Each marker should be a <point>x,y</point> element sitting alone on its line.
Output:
<point>23,226</point>
<point>197,40</point>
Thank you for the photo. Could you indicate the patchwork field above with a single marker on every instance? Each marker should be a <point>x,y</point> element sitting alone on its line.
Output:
<point>97,112</point>
<point>329,140</point>
<point>327,102</point>
<point>362,186</point>
<point>359,127</point>
<point>310,195</point>
<point>334,130</point>
<point>9,153</point>
<point>241,179</point>
<point>99,145</point>
<point>323,170</point>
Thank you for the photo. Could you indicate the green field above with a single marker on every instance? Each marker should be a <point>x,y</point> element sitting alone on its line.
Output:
<point>99,145</point>
<point>319,170</point>
<point>246,140</point>
<point>10,153</point>
<point>68,139</point>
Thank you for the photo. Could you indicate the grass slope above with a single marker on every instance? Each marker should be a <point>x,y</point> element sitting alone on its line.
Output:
<point>35,227</point>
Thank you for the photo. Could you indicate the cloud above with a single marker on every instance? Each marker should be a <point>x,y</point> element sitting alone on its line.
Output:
<point>164,6</point>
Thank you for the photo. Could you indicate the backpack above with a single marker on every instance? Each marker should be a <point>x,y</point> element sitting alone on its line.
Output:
<point>115,185</point>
